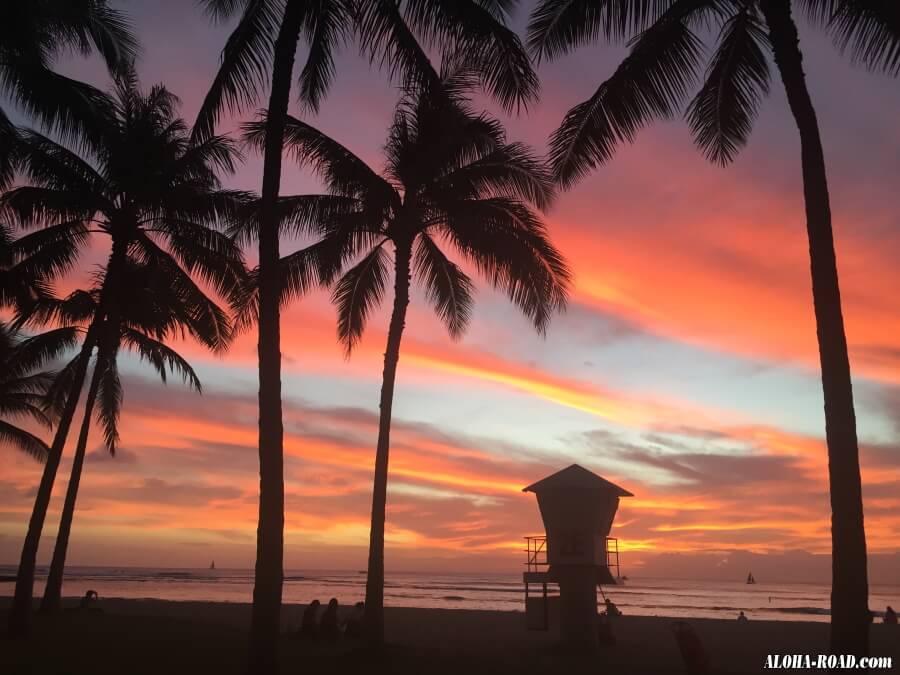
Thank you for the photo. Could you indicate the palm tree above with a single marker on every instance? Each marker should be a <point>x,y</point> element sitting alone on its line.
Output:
<point>32,35</point>
<point>451,179</point>
<point>23,276</point>
<point>23,282</point>
<point>23,387</point>
<point>653,81</point>
<point>260,51</point>
<point>143,311</point>
<point>158,210</point>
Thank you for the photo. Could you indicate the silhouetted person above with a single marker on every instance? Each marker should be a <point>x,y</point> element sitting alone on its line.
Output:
<point>890,616</point>
<point>696,660</point>
<point>309,627</point>
<point>353,627</point>
<point>605,635</point>
<point>742,616</point>
<point>88,599</point>
<point>328,628</point>
<point>611,609</point>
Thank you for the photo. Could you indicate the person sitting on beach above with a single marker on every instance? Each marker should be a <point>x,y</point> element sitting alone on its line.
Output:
<point>328,628</point>
<point>742,616</point>
<point>693,653</point>
<point>353,627</point>
<point>88,598</point>
<point>309,628</point>
<point>611,609</point>
<point>890,616</point>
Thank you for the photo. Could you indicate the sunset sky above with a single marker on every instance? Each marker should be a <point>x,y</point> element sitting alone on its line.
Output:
<point>685,368</point>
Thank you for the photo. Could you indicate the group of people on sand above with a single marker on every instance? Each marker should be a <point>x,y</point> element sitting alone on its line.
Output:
<point>889,617</point>
<point>329,628</point>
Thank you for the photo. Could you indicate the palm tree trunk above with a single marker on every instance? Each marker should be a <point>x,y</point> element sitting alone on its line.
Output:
<point>849,591</point>
<point>266,614</point>
<point>374,612</point>
<point>52,600</point>
<point>20,614</point>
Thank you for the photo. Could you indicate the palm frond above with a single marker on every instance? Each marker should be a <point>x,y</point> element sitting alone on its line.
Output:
<point>435,131</point>
<point>109,401</point>
<point>38,350</point>
<point>468,28</point>
<point>48,253</point>
<point>509,246</point>
<point>209,255</point>
<point>74,111</point>
<point>9,138</point>
<point>388,40</point>
<point>447,287</point>
<point>298,215</point>
<point>342,171</point>
<point>868,29</point>
<point>161,357</point>
<point>557,27</point>
<point>222,10</point>
<point>207,159</point>
<point>24,403</point>
<point>721,116</point>
<point>51,165</point>
<point>61,388</point>
<point>328,28</point>
<point>358,293</point>
<point>200,315</point>
<point>650,83</point>
<point>511,170</point>
<point>77,308</point>
<point>244,67</point>
<point>24,441</point>
<point>111,33</point>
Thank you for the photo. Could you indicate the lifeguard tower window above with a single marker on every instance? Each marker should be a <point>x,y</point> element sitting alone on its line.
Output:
<point>572,544</point>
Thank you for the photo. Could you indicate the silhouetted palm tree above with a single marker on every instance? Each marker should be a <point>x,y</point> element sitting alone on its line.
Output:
<point>143,310</point>
<point>25,275</point>
<point>653,81</point>
<point>160,209</point>
<point>451,179</point>
<point>23,282</point>
<point>23,386</point>
<point>33,35</point>
<point>261,52</point>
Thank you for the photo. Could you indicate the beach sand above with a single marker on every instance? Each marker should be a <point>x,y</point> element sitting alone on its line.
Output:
<point>162,637</point>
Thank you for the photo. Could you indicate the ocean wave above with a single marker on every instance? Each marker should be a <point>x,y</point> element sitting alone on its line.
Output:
<point>817,611</point>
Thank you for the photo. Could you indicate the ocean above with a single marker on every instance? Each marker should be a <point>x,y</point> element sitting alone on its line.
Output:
<point>648,597</point>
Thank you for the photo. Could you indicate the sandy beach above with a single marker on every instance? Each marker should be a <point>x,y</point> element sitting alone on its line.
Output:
<point>153,636</point>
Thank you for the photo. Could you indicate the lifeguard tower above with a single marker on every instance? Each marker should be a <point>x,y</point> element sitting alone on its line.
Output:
<point>576,552</point>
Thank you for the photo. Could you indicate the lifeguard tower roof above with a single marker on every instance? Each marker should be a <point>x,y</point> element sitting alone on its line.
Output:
<point>576,477</point>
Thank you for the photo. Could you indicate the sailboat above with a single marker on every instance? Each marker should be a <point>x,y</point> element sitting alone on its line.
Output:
<point>750,579</point>
<point>212,566</point>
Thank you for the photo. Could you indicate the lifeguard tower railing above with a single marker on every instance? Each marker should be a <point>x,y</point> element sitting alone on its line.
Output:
<point>536,551</point>
<point>536,548</point>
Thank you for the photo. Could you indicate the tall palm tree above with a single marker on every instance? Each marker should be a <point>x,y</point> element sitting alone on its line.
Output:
<point>33,35</point>
<point>451,179</point>
<point>653,81</point>
<point>143,310</point>
<point>24,387</point>
<point>155,194</point>
<point>260,52</point>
